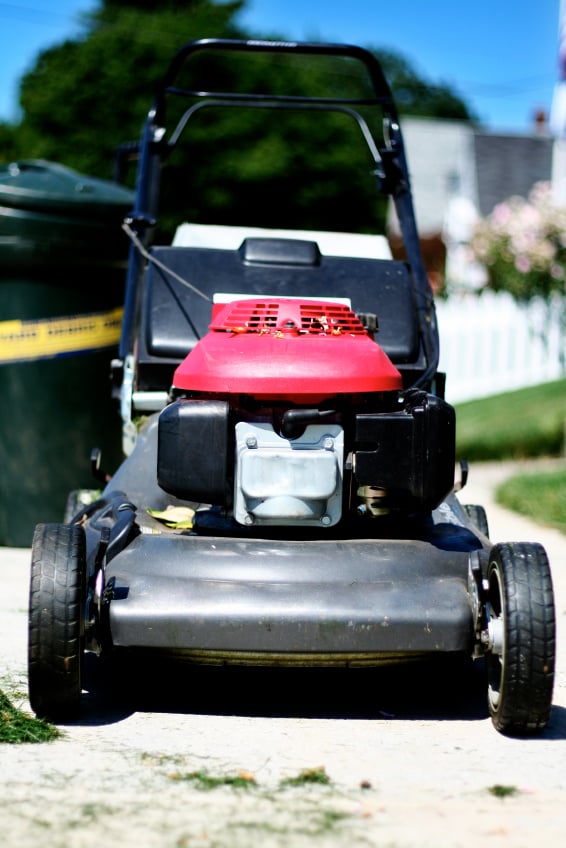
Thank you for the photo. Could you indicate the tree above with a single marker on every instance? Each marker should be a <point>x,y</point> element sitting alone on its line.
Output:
<point>8,142</point>
<point>85,97</point>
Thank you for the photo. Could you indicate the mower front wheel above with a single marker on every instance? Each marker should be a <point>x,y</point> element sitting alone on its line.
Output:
<point>56,621</point>
<point>521,638</point>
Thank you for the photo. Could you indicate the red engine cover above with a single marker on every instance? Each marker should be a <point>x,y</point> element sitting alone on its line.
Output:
<point>286,349</point>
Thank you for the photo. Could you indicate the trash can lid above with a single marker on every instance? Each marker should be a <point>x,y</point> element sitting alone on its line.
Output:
<point>37,184</point>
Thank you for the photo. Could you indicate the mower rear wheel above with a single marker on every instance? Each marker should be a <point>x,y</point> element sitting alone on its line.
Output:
<point>56,620</point>
<point>77,499</point>
<point>521,637</point>
<point>478,517</point>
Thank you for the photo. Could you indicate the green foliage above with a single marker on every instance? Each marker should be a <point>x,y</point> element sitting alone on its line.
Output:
<point>258,169</point>
<point>85,97</point>
<point>541,496</point>
<point>8,142</point>
<point>523,250</point>
<point>521,244</point>
<point>514,425</point>
<point>17,727</point>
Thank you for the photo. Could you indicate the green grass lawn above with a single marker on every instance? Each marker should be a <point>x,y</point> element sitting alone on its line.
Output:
<point>519,425</point>
<point>540,496</point>
<point>516,425</point>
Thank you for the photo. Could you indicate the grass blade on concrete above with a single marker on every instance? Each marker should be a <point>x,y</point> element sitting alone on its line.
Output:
<point>18,727</point>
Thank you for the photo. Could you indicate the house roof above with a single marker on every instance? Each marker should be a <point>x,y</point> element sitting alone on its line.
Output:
<point>509,165</point>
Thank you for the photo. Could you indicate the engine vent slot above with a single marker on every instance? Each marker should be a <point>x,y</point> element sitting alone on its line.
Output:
<point>301,316</point>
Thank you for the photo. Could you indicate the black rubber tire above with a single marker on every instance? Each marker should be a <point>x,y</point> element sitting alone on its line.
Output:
<point>76,502</point>
<point>56,621</point>
<point>521,670</point>
<point>478,517</point>
<point>72,506</point>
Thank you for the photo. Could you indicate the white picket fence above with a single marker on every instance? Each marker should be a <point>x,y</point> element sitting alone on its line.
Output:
<point>489,345</point>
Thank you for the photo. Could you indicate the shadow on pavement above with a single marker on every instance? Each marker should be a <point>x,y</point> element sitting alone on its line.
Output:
<point>443,689</point>
<point>447,689</point>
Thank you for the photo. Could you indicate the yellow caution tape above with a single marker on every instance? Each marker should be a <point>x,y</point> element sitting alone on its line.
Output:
<point>21,341</point>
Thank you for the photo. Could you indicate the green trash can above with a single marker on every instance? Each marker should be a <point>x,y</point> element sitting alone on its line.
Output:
<point>63,260</point>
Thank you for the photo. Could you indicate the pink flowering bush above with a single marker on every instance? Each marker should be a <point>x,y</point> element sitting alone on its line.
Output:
<point>522,246</point>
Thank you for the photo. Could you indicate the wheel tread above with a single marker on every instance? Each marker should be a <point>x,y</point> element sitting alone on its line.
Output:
<point>528,675</point>
<point>57,592</point>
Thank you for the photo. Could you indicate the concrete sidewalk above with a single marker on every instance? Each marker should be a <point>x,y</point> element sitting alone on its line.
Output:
<point>418,777</point>
<point>507,526</point>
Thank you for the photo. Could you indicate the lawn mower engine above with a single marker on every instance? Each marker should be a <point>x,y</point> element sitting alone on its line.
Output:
<point>289,413</point>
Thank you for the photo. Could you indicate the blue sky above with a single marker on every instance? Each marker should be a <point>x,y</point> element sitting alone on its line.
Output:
<point>500,55</point>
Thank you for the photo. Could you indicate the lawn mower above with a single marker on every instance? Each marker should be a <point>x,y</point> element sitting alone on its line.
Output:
<point>289,494</point>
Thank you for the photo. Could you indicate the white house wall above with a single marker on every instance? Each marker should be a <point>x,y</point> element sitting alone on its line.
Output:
<point>440,155</point>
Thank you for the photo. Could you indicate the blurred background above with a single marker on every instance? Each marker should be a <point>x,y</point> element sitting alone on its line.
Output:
<point>481,90</point>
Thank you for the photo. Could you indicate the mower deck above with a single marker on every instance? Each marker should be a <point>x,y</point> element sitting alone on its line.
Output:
<point>357,598</point>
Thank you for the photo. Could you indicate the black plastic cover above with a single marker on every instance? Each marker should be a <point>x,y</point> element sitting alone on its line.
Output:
<point>192,450</point>
<point>174,318</point>
<point>410,454</point>
<point>280,251</point>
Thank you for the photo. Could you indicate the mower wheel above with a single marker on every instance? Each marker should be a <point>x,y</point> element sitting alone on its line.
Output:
<point>478,517</point>
<point>521,638</point>
<point>72,506</point>
<point>77,500</point>
<point>56,620</point>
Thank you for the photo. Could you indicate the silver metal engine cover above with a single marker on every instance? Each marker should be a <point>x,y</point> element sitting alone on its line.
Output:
<point>282,481</point>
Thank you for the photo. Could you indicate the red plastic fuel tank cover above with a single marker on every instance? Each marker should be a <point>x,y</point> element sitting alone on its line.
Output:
<point>286,348</point>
